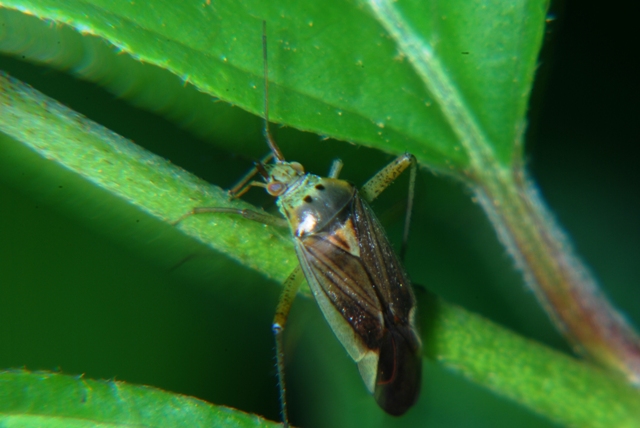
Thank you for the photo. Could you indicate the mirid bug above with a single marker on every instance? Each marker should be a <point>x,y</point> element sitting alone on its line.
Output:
<point>352,270</point>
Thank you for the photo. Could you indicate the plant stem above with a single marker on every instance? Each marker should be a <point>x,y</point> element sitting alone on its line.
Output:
<point>561,282</point>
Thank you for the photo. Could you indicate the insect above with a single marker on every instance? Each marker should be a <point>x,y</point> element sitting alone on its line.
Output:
<point>349,264</point>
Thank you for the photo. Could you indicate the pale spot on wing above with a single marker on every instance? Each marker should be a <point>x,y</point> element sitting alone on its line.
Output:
<point>345,238</point>
<point>307,224</point>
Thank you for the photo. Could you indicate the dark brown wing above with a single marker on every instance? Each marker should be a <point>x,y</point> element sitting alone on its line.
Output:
<point>345,281</point>
<point>353,271</point>
<point>400,365</point>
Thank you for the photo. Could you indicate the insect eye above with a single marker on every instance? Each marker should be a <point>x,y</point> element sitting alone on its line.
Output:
<point>276,188</point>
<point>308,199</point>
<point>319,187</point>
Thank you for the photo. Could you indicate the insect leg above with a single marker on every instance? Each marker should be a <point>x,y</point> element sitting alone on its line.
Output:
<point>241,187</point>
<point>289,291</point>
<point>336,167</point>
<point>259,217</point>
<point>379,182</point>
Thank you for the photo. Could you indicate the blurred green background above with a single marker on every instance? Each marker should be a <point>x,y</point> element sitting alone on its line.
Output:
<point>91,285</point>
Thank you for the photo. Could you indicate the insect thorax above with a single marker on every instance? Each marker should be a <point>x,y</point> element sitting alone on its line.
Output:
<point>310,204</point>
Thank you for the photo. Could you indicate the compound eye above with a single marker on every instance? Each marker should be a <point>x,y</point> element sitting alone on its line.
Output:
<point>298,167</point>
<point>276,188</point>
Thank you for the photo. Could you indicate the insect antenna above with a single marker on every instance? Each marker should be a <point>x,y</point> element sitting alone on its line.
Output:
<point>267,133</point>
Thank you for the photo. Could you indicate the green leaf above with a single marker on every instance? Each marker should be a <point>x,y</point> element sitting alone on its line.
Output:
<point>333,69</point>
<point>45,399</point>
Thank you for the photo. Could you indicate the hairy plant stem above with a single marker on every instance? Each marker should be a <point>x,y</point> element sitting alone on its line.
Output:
<point>561,282</point>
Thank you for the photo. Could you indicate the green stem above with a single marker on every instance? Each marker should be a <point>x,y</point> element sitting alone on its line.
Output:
<point>562,283</point>
<point>569,392</point>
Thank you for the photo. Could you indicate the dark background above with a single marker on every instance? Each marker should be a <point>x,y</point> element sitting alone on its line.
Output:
<point>90,285</point>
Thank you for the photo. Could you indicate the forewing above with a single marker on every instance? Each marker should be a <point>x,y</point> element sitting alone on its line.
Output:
<point>342,287</point>
<point>340,277</point>
<point>390,280</point>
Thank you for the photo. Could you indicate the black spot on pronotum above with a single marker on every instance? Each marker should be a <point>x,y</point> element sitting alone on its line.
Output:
<point>308,199</point>
<point>319,187</point>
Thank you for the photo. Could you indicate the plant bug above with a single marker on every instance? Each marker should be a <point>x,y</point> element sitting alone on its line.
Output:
<point>352,270</point>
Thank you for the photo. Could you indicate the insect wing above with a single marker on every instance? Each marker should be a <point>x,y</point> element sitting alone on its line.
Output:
<point>366,297</point>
